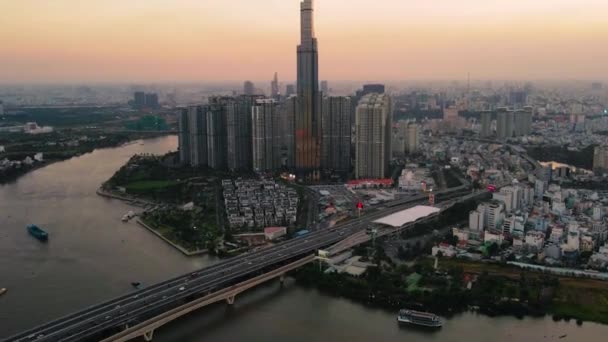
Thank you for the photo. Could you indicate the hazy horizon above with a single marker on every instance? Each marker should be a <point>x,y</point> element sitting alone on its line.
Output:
<point>163,41</point>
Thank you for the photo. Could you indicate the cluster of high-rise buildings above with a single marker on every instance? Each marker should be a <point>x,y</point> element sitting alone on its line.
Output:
<point>305,133</point>
<point>143,100</point>
<point>509,123</point>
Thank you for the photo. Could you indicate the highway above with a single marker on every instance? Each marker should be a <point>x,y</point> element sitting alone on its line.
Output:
<point>145,303</point>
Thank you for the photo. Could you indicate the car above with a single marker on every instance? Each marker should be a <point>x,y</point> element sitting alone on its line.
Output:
<point>182,288</point>
<point>117,306</point>
<point>39,336</point>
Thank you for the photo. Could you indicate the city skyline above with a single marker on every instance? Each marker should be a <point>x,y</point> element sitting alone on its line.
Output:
<point>159,41</point>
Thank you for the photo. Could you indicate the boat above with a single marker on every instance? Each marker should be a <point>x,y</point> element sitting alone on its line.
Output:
<point>37,232</point>
<point>3,291</point>
<point>128,216</point>
<point>418,318</point>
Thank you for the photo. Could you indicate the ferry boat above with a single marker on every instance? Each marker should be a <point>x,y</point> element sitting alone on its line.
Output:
<point>418,318</point>
<point>37,232</point>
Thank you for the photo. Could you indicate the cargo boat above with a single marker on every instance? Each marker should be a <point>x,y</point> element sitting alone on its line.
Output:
<point>37,232</point>
<point>422,319</point>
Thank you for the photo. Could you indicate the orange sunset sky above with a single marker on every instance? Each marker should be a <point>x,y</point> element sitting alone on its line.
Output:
<point>208,40</point>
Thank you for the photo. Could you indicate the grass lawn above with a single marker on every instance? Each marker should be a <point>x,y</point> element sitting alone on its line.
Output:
<point>580,298</point>
<point>150,185</point>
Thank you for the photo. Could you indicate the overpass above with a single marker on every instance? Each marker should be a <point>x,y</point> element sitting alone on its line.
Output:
<point>140,312</point>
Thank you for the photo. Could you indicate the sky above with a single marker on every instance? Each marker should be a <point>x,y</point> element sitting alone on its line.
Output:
<point>384,40</point>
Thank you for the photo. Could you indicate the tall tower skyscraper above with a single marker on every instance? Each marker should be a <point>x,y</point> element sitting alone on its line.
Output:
<point>217,132</point>
<point>265,142</point>
<point>308,118</point>
<point>274,87</point>
<point>373,127</point>
<point>184,136</point>
<point>238,130</point>
<point>504,124</point>
<point>413,138</point>
<point>522,122</point>
<point>193,136</point>
<point>289,111</point>
<point>486,124</point>
<point>336,133</point>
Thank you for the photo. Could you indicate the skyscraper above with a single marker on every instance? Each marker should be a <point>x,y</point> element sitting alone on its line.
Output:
<point>248,88</point>
<point>399,138</point>
<point>336,133</point>
<point>413,138</point>
<point>600,159</point>
<point>367,89</point>
<point>139,100</point>
<point>263,119</point>
<point>289,109</point>
<point>504,124</point>
<point>486,124</point>
<point>373,136</point>
<point>143,100</point>
<point>217,132</point>
<point>308,119</point>
<point>522,122</point>
<point>197,126</point>
<point>274,87</point>
<point>183,136</point>
<point>151,101</point>
<point>238,127</point>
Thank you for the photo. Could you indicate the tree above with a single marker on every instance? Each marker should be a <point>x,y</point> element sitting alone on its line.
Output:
<point>493,249</point>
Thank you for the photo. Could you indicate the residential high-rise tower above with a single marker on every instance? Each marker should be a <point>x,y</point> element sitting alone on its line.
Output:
<point>336,133</point>
<point>265,142</point>
<point>373,127</point>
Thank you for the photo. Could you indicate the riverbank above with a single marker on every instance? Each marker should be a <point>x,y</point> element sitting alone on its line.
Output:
<point>12,177</point>
<point>56,147</point>
<point>457,287</point>
<point>138,202</point>
<point>171,243</point>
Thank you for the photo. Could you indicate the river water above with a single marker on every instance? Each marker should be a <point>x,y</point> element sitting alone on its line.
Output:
<point>92,256</point>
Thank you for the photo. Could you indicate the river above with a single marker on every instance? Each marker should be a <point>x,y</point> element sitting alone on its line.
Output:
<point>92,256</point>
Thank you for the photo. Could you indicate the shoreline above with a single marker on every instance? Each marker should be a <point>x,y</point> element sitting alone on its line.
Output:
<point>45,163</point>
<point>364,292</point>
<point>137,202</point>
<point>37,166</point>
<point>173,244</point>
<point>142,204</point>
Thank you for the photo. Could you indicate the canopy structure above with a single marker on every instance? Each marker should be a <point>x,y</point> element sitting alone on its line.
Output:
<point>410,215</point>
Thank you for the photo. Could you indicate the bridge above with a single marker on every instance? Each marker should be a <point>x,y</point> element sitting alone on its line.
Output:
<point>139,313</point>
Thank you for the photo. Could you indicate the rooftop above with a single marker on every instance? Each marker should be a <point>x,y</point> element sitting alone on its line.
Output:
<point>407,216</point>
